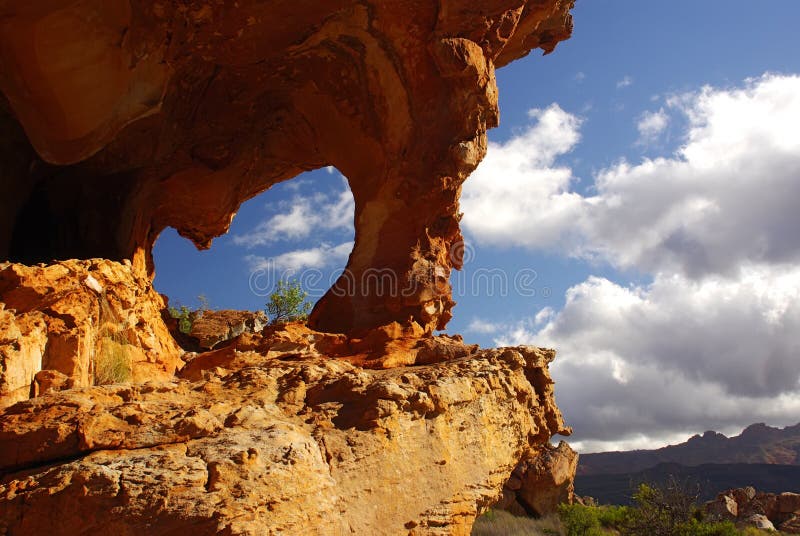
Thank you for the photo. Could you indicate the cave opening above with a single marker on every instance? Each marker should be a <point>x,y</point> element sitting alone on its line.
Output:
<point>299,229</point>
<point>62,218</point>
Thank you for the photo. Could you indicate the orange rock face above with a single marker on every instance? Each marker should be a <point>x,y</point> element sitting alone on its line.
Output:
<point>542,481</point>
<point>286,444</point>
<point>78,323</point>
<point>121,118</point>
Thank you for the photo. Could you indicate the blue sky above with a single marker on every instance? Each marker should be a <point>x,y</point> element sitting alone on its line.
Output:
<point>642,190</point>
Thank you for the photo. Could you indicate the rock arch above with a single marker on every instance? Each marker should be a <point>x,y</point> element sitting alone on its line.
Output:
<point>139,115</point>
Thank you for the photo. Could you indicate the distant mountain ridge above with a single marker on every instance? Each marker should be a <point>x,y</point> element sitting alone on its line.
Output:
<point>757,444</point>
<point>711,479</point>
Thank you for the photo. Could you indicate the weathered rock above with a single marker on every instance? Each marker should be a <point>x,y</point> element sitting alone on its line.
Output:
<point>724,507</point>
<point>389,346</point>
<point>548,479</point>
<point>749,508</point>
<point>77,318</point>
<point>541,481</point>
<point>790,525</point>
<point>758,521</point>
<point>119,119</point>
<point>315,446</point>
<point>210,328</point>
<point>788,503</point>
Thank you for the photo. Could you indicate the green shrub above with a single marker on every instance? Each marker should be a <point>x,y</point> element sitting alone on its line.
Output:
<point>288,302</point>
<point>186,316</point>
<point>613,517</point>
<point>579,520</point>
<point>700,528</point>
<point>112,363</point>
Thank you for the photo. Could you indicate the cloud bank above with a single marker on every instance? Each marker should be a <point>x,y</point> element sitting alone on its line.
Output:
<point>301,217</point>
<point>712,341</point>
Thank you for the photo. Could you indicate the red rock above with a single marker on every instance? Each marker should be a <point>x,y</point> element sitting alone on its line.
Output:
<point>789,503</point>
<point>211,328</point>
<point>724,508</point>
<point>124,119</point>
<point>791,525</point>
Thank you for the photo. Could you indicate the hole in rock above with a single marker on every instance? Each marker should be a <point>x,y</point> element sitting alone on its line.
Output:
<point>300,229</point>
<point>63,218</point>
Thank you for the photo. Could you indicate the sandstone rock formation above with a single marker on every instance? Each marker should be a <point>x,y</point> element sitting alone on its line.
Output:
<point>211,328</point>
<point>73,323</point>
<point>747,507</point>
<point>283,445</point>
<point>541,481</point>
<point>390,346</point>
<point>120,118</point>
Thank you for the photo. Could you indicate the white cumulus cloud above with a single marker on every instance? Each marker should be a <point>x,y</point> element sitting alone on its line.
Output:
<point>677,355</point>
<point>301,217</point>
<point>651,125</point>
<point>726,198</point>
<point>518,195</point>
<point>711,341</point>
<point>291,262</point>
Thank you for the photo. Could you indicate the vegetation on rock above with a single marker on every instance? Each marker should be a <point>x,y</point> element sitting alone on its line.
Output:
<point>186,316</point>
<point>659,510</point>
<point>113,362</point>
<point>288,302</point>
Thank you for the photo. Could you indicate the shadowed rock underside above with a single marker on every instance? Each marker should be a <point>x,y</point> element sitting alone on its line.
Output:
<point>120,118</point>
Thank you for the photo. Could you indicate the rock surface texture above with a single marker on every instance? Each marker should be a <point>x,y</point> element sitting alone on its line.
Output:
<point>119,118</point>
<point>79,323</point>
<point>749,508</point>
<point>283,445</point>
<point>211,328</point>
<point>541,481</point>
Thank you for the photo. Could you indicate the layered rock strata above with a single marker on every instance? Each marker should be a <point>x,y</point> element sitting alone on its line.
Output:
<point>78,323</point>
<point>283,445</point>
<point>120,118</point>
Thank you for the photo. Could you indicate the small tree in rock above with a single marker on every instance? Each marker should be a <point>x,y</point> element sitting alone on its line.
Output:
<point>288,302</point>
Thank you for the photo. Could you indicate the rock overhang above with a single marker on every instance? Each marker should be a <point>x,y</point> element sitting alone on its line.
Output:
<point>122,118</point>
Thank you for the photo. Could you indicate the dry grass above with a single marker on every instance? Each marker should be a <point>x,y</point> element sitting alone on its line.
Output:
<point>499,522</point>
<point>112,363</point>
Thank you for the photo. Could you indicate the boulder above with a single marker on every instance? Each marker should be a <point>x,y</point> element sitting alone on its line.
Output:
<point>790,525</point>
<point>542,481</point>
<point>789,503</point>
<point>759,521</point>
<point>210,328</point>
<point>724,508</point>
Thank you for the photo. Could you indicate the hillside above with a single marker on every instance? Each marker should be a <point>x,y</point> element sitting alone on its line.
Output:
<point>712,479</point>
<point>757,444</point>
